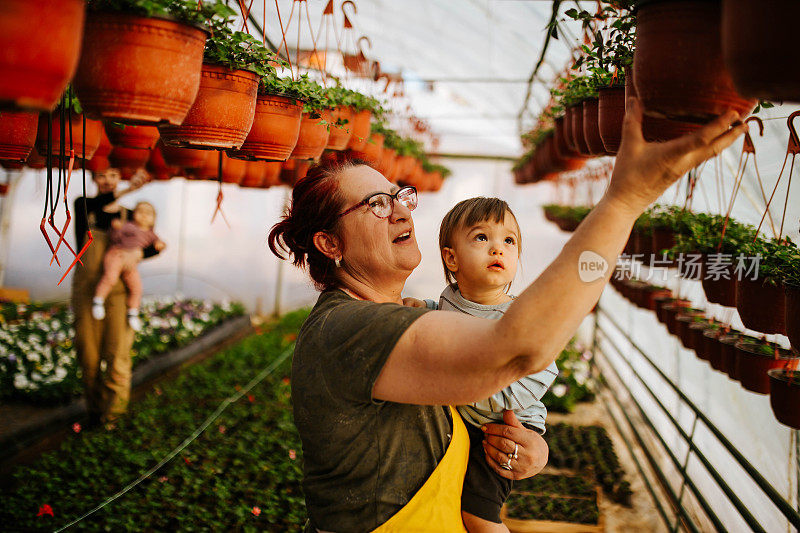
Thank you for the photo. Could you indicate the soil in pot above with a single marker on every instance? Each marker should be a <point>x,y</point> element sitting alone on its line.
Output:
<point>275,130</point>
<point>611,114</point>
<point>696,87</point>
<point>591,127</point>
<point>40,43</point>
<point>139,70</point>
<point>755,358</point>
<point>758,44</point>
<point>784,396</point>
<point>792,314</point>
<point>313,136</point>
<point>17,134</point>
<point>761,305</point>
<point>221,115</point>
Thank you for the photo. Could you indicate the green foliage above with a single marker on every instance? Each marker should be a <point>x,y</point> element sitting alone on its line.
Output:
<point>574,383</point>
<point>339,96</point>
<point>236,50</point>
<point>183,10</point>
<point>560,509</point>
<point>304,88</point>
<point>779,259</point>
<point>703,231</point>
<point>250,457</point>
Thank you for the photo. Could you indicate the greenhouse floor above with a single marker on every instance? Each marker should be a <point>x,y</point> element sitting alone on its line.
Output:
<point>27,430</point>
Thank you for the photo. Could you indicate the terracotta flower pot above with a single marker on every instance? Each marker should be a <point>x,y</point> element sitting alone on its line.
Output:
<point>233,170</point>
<point>784,396</point>
<point>360,130</point>
<point>254,174</point>
<point>569,124</point>
<point>670,312</point>
<point>313,137</point>
<point>38,161</point>
<point>650,294</point>
<point>681,323</point>
<point>761,305</point>
<point>141,137</point>
<point>405,169</point>
<point>128,160</point>
<point>340,135</point>
<point>275,130</point>
<point>221,115</point>
<point>678,68</point>
<point>758,44</point>
<point>752,365</point>
<point>17,134</point>
<point>188,158</point>
<point>388,164</point>
<point>792,314</point>
<point>159,168</point>
<point>294,170</point>
<point>373,150</point>
<point>591,127</point>
<point>578,138</point>
<point>611,114</point>
<point>94,132</point>
<point>40,41</point>
<point>713,348</point>
<point>98,163</point>
<point>720,291</point>
<point>272,174</point>
<point>139,70</point>
<point>655,129</point>
<point>560,163</point>
<point>574,159</point>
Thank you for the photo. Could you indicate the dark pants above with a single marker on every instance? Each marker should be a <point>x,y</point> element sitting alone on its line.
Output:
<point>484,491</point>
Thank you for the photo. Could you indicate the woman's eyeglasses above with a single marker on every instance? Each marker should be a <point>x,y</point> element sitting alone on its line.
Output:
<point>382,203</point>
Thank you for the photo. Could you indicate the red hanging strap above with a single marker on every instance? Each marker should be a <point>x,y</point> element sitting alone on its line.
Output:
<point>89,240</point>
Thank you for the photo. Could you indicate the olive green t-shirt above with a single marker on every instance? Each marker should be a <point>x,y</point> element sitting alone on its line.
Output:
<point>363,459</point>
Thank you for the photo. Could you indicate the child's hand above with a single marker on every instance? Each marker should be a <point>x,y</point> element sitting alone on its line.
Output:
<point>159,246</point>
<point>116,223</point>
<point>413,302</point>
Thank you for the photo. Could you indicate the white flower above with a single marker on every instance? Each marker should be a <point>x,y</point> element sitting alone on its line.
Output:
<point>559,390</point>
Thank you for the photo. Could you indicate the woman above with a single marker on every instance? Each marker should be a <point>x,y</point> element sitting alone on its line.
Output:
<point>110,339</point>
<point>371,379</point>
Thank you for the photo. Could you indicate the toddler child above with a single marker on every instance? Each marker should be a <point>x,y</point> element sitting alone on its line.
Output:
<point>479,240</point>
<point>127,241</point>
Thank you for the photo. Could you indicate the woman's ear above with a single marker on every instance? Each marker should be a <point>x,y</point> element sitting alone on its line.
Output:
<point>450,260</point>
<point>328,244</point>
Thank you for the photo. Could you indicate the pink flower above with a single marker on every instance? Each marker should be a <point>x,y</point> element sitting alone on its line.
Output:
<point>256,511</point>
<point>222,429</point>
<point>45,509</point>
<point>292,455</point>
<point>162,479</point>
<point>76,427</point>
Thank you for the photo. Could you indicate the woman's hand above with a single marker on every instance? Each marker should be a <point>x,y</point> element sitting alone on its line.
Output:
<point>413,302</point>
<point>532,450</point>
<point>644,170</point>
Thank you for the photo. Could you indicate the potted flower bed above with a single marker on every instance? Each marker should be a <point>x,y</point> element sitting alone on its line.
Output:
<point>650,295</point>
<point>17,134</point>
<point>140,63</point>
<point>784,395</point>
<point>276,126</point>
<point>667,223</point>
<point>351,116</point>
<point>684,34</point>
<point>755,357</point>
<point>40,43</point>
<point>591,127</point>
<point>756,45</point>
<point>223,112</point>
<point>761,302</point>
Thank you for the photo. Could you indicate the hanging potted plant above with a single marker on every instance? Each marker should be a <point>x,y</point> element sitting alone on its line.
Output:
<point>668,222</point>
<point>760,298</point>
<point>129,136</point>
<point>293,170</point>
<point>695,87</point>
<point>338,100</point>
<point>254,174</point>
<point>276,126</point>
<point>314,125</point>
<point>140,59</point>
<point>186,158</point>
<point>791,287</point>
<point>758,44</point>
<point>784,395</point>
<point>128,160</point>
<point>373,148</point>
<point>99,161</point>
<point>70,117</point>
<point>159,168</point>
<point>576,91</point>
<point>223,112</point>
<point>233,170</point>
<point>364,109</point>
<point>17,134</point>
<point>40,42</point>
<point>272,175</point>
<point>755,357</point>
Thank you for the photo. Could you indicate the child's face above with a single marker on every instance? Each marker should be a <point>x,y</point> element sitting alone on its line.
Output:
<point>485,256</point>
<point>144,216</point>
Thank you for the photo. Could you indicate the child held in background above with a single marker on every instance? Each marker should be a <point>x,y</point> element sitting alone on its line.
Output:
<point>479,240</point>
<point>127,241</point>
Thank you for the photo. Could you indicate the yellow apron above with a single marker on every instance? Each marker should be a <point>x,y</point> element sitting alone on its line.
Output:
<point>436,507</point>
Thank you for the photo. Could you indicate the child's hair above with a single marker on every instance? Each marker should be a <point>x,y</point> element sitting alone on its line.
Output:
<point>467,213</point>
<point>147,204</point>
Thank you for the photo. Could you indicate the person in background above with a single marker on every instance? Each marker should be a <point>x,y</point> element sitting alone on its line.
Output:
<point>110,340</point>
<point>127,243</point>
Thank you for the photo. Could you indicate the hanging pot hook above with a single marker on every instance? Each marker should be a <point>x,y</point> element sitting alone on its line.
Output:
<point>361,48</point>
<point>794,142</point>
<point>748,146</point>
<point>347,23</point>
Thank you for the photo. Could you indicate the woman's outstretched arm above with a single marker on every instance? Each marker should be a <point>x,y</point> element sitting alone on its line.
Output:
<point>452,358</point>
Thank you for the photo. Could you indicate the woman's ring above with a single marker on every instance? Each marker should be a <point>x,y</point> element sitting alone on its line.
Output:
<point>514,455</point>
<point>506,465</point>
